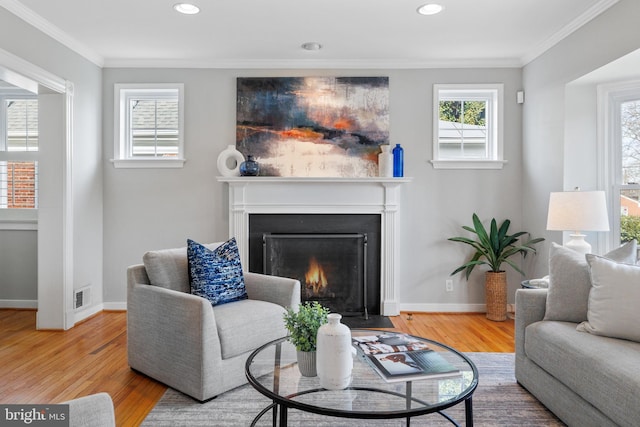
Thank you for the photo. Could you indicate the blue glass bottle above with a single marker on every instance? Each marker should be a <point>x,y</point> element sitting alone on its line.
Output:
<point>398,161</point>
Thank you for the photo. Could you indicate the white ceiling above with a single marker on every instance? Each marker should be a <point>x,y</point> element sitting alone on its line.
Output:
<point>268,33</point>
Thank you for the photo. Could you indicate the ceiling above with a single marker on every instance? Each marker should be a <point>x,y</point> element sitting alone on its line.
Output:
<point>269,34</point>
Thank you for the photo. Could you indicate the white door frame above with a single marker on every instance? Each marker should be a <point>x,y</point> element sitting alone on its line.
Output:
<point>55,279</point>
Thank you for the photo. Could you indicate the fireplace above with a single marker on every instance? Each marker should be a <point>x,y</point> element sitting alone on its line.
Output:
<point>336,257</point>
<point>380,197</point>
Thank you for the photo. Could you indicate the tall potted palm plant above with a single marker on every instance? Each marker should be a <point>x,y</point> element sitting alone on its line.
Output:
<point>493,249</point>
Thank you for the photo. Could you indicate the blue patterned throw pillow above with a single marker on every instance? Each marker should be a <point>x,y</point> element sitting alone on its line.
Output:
<point>216,274</point>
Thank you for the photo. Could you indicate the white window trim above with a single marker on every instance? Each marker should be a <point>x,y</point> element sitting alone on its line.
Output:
<point>15,218</point>
<point>610,96</point>
<point>120,159</point>
<point>496,145</point>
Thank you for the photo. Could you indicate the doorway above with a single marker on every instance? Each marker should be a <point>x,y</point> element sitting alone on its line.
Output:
<point>54,224</point>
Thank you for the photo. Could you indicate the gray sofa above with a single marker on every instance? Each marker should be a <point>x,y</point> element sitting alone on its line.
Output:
<point>182,341</point>
<point>586,379</point>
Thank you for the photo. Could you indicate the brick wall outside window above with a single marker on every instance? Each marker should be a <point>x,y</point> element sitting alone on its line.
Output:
<point>21,189</point>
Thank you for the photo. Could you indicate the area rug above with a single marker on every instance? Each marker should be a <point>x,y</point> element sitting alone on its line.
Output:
<point>498,401</point>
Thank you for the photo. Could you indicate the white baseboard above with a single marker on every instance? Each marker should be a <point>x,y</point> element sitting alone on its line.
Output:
<point>443,308</point>
<point>17,303</point>
<point>115,306</point>
<point>80,315</point>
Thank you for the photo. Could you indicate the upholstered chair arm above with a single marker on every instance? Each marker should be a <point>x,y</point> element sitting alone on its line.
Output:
<point>137,274</point>
<point>530,307</point>
<point>279,290</point>
<point>95,410</point>
<point>172,337</point>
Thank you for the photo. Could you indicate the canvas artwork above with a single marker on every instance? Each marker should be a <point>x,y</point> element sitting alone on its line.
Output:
<point>313,126</point>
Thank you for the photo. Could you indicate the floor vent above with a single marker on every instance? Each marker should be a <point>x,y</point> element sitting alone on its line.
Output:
<point>82,298</point>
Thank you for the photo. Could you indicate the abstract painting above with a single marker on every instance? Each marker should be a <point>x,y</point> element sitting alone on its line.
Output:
<point>313,126</point>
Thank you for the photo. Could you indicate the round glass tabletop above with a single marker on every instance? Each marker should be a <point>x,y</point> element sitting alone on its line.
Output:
<point>382,386</point>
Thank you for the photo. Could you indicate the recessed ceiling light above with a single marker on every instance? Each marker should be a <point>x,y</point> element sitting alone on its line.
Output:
<point>430,9</point>
<point>311,46</point>
<point>186,8</point>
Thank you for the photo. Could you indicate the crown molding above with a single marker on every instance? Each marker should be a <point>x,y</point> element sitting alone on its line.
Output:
<point>37,21</point>
<point>567,30</point>
<point>313,63</point>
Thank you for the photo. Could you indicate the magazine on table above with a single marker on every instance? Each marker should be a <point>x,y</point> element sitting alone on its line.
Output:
<point>411,365</point>
<point>401,357</point>
<point>388,343</point>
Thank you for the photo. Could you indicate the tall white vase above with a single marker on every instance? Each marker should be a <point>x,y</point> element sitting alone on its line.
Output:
<point>334,360</point>
<point>385,161</point>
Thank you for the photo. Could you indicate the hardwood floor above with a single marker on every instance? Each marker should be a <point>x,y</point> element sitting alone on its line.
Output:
<point>54,366</point>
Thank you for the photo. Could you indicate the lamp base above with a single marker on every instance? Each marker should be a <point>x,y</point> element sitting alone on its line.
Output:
<point>578,244</point>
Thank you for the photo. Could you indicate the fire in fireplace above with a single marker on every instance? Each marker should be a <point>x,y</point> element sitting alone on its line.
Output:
<point>315,281</point>
<point>336,258</point>
<point>331,267</point>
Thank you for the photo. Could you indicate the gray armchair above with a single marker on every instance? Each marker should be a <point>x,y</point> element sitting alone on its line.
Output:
<point>182,341</point>
<point>95,410</point>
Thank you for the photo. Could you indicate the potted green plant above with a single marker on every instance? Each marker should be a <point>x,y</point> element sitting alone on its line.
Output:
<point>493,249</point>
<point>303,326</point>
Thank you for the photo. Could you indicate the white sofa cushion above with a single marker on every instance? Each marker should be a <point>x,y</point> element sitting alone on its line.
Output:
<point>614,299</point>
<point>570,283</point>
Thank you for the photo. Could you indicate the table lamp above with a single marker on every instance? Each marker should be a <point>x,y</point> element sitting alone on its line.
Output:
<point>578,211</point>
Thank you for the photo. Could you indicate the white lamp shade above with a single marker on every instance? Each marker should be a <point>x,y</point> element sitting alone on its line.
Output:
<point>578,211</point>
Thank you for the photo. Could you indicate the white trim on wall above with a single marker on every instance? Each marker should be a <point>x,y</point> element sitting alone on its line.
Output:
<point>20,10</point>
<point>443,308</point>
<point>28,76</point>
<point>19,303</point>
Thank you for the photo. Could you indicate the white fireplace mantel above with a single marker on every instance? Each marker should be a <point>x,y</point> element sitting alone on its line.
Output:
<point>286,195</point>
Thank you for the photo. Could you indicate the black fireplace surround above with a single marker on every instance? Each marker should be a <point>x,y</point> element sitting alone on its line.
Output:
<point>336,257</point>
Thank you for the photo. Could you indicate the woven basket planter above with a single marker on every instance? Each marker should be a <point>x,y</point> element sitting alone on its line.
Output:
<point>496,295</point>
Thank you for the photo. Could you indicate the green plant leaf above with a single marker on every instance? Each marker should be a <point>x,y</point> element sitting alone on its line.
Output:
<point>493,248</point>
<point>303,324</point>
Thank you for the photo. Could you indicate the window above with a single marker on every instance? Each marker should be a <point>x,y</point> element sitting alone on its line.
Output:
<point>18,150</point>
<point>467,126</point>
<point>148,125</point>
<point>623,140</point>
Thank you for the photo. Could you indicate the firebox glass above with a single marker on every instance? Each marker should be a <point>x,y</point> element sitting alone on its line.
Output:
<point>331,268</point>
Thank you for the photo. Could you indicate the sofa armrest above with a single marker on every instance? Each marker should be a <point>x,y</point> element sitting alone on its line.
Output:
<point>530,308</point>
<point>279,290</point>
<point>95,410</point>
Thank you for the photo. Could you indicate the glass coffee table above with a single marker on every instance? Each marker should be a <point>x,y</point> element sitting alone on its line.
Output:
<point>272,370</point>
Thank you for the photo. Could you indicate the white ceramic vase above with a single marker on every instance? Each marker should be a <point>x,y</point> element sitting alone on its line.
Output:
<point>334,360</point>
<point>229,161</point>
<point>385,162</point>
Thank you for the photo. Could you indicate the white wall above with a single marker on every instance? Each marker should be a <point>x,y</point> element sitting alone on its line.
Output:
<point>553,160</point>
<point>29,44</point>
<point>160,208</point>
